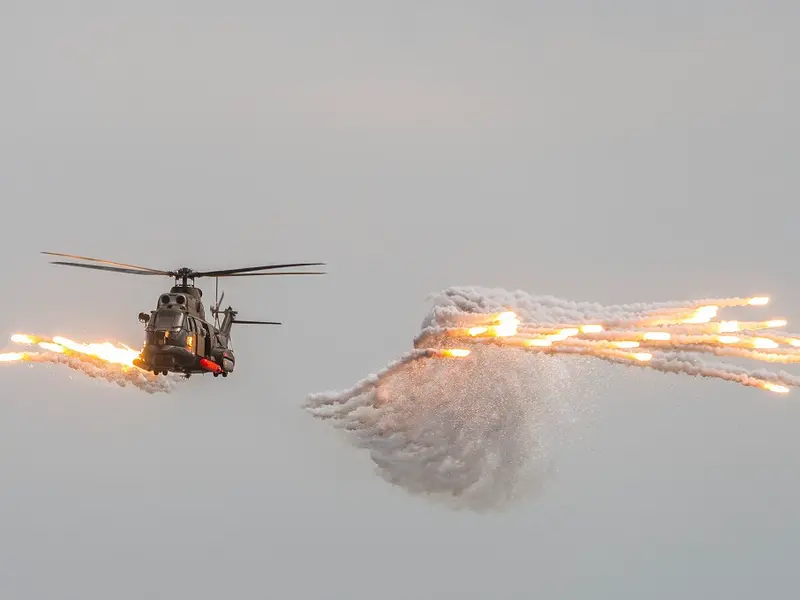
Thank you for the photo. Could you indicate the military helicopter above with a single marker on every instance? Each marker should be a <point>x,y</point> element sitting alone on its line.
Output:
<point>178,338</point>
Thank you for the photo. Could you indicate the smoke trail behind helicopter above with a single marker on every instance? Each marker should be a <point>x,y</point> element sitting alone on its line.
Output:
<point>104,360</point>
<point>482,427</point>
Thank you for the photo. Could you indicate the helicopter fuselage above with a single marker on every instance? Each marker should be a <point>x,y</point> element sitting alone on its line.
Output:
<point>178,339</point>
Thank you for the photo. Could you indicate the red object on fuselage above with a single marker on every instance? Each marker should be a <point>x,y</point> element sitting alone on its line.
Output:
<point>209,365</point>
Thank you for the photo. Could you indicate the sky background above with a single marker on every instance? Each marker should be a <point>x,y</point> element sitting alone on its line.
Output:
<point>642,151</point>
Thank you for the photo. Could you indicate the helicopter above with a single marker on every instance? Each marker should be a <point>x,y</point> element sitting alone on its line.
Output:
<point>178,337</point>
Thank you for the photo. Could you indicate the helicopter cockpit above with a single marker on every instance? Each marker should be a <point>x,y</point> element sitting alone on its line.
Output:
<point>166,327</point>
<point>166,319</point>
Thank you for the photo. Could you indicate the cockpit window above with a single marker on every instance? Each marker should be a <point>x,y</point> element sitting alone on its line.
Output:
<point>167,319</point>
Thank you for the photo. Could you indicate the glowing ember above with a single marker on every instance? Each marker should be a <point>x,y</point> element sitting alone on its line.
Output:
<point>591,328</point>
<point>52,347</point>
<point>625,344</point>
<point>509,322</point>
<point>657,335</point>
<point>765,343</point>
<point>773,387</point>
<point>454,352</point>
<point>728,326</point>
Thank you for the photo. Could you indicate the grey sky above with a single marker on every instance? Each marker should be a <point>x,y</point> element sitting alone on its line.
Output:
<point>645,151</point>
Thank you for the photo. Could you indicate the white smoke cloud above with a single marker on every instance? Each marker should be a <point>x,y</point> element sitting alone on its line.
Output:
<point>483,431</point>
<point>475,434</point>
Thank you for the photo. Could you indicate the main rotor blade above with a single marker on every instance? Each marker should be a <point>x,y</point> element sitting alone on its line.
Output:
<point>257,322</point>
<point>107,262</point>
<point>113,269</point>
<point>222,272</point>
<point>284,273</point>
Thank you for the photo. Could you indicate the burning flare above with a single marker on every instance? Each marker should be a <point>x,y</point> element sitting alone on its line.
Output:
<point>657,331</point>
<point>97,360</point>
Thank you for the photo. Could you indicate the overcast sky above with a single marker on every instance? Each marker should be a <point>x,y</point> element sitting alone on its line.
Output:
<point>635,152</point>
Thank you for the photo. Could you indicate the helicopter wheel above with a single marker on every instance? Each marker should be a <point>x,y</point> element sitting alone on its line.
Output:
<point>225,374</point>
<point>216,374</point>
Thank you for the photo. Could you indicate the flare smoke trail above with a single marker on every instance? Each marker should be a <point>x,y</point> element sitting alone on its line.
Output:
<point>97,360</point>
<point>476,413</point>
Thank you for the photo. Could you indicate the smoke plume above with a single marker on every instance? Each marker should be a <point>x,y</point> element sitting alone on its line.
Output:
<point>477,413</point>
<point>104,360</point>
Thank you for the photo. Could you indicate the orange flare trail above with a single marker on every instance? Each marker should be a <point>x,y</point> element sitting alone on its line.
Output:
<point>689,329</point>
<point>103,351</point>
